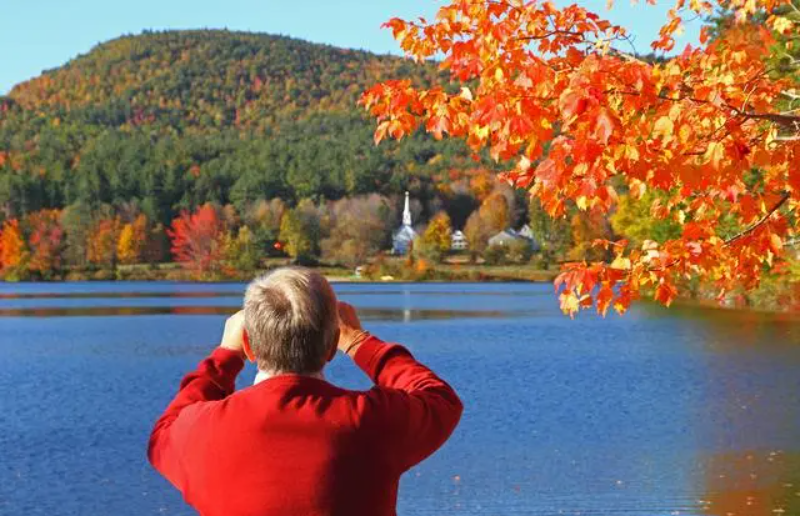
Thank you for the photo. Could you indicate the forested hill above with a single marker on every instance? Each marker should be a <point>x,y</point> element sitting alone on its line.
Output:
<point>175,119</point>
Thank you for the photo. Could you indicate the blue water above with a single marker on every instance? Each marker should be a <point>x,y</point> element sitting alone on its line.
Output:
<point>659,412</point>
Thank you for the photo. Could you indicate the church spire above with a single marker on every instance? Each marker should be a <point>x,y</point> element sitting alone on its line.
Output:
<point>407,213</point>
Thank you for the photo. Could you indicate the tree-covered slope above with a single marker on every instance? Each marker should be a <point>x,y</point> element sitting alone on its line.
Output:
<point>175,119</point>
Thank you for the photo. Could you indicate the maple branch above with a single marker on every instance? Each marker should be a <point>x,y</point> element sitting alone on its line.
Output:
<point>763,220</point>
<point>552,33</point>
<point>778,118</point>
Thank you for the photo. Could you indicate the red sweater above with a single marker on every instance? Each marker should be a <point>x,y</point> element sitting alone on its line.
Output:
<point>296,445</point>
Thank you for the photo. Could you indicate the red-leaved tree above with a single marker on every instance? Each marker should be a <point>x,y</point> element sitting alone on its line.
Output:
<point>45,242</point>
<point>197,240</point>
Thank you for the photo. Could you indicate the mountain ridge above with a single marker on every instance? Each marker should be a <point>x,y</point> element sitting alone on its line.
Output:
<point>169,120</point>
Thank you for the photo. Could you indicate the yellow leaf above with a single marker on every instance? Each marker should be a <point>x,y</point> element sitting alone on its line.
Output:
<point>781,24</point>
<point>715,153</point>
<point>498,74</point>
<point>569,304</point>
<point>664,128</point>
<point>621,263</point>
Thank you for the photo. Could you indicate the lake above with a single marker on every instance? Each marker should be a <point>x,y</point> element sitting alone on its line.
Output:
<point>660,412</point>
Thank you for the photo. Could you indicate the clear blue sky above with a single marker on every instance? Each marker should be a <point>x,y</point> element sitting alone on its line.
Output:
<point>42,34</point>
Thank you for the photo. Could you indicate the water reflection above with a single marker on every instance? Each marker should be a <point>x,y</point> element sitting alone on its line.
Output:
<point>753,484</point>
<point>728,329</point>
<point>114,295</point>
<point>373,314</point>
<point>227,294</point>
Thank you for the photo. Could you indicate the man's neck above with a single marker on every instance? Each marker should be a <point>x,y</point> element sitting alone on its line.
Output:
<point>266,375</point>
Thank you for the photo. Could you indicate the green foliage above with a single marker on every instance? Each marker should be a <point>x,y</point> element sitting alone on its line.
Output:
<point>77,221</point>
<point>633,221</point>
<point>242,252</point>
<point>519,251</point>
<point>495,255</point>
<point>554,236</point>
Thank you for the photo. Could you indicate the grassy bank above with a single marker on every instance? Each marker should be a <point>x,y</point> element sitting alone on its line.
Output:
<point>391,269</point>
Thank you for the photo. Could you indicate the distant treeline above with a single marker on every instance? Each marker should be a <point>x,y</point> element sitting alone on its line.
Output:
<point>215,241</point>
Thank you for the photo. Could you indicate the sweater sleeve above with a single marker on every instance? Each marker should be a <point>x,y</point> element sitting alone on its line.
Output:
<point>214,379</point>
<point>417,408</point>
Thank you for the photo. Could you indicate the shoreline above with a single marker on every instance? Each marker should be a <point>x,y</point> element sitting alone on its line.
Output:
<point>440,273</point>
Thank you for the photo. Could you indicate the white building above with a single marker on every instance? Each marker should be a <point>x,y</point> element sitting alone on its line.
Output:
<point>458,241</point>
<point>405,235</point>
<point>504,237</point>
<point>507,236</point>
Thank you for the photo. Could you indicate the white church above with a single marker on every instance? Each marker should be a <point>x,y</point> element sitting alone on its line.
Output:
<point>405,235</point>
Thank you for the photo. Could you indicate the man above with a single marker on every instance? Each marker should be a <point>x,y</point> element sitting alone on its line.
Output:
<point>294,444</point>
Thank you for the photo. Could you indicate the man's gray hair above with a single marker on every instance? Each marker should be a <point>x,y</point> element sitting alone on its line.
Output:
<point>291,318</point>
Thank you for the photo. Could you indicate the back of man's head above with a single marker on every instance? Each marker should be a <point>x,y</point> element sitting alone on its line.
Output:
<point>291,320</point>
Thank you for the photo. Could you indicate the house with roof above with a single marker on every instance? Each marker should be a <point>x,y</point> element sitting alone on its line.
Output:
<point>504,237</point>
<point>507,236</point>
<point>458,241</point>
<point>526,232</point>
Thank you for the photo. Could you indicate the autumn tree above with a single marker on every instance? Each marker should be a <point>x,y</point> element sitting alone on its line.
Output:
<point>13,251</point>
<point>496,211</point>
<point>45,242</point>
<point>586,229</point>
<point>434,243</point>
<point>132,240</point>
<point>102,243</point>
<point>359,228</point>
<point>477,232</point>
<point>552,93</point>
<point>301,232</point>
<point>197,241</point>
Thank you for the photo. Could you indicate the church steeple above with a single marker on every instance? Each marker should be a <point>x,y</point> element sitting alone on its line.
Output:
<point>407,213</point>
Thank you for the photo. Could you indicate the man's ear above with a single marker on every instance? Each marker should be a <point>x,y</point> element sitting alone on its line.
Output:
<point>334,345</point>
<point>248,351</point>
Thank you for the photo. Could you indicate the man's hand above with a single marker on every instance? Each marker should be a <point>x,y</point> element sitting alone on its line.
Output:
<point>351,334</point>
<point>233,336</point>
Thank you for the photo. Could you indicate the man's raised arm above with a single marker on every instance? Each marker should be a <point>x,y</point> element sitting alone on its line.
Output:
<point>214,379</point>
<point>421,410</point>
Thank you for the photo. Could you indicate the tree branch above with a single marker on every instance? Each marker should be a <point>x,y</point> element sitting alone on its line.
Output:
<point>763,220</point>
